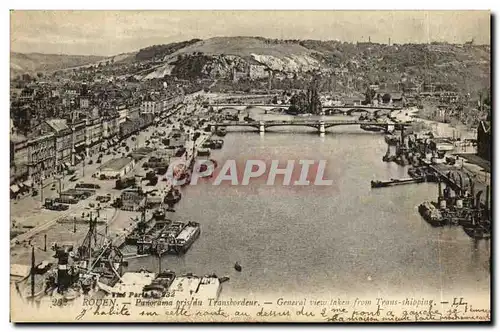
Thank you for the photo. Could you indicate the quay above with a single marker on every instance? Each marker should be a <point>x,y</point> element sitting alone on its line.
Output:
<point>465,201</point>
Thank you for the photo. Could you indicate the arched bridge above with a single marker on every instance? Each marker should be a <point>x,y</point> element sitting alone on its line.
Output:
<point>321,125</point>
<point>344,109</point>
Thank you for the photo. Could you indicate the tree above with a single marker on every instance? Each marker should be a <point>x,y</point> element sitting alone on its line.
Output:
<point>313,102</point>
<point>297,103</point>
<point>386,98</point>
<point>369,95</point>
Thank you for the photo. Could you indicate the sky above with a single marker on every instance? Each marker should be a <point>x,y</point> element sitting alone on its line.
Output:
<point>113,32</point>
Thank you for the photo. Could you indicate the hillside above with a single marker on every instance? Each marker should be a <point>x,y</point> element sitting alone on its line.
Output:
<point>21,63</point>
<point>221,57</point>
<point>344,67</point>
<point>217,57</point>
<point>243,47</point>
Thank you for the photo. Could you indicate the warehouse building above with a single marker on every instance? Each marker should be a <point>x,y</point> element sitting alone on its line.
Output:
<point>115,168</point>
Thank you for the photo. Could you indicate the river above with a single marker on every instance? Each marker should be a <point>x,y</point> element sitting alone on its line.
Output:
<point>341,240</point>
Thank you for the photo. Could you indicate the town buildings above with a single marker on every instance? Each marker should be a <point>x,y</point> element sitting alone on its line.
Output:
<point>110,128</point>
<point>41,157</point>
<point>122,111</point>
<point>94,132</point>
<point>19,175</point>
<point>150,105</point>
<point>63,142</point>
<point>79,130</point>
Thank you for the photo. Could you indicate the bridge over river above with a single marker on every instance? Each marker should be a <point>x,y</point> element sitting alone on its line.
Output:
<point>342,109</point>
<point>320,125</point>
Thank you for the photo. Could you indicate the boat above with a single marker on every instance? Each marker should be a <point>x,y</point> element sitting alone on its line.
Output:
<point>204,151</point>
<point>159,214</point>
<point>147,242</point>
<point>183,241</point>
<point>477,230</point>
<point>216,144</point>
<point>78,271</point>
<point>237,267</point>
<point>415,172</point>
<point>224,279</point>
<point>143,225</point>
<point>431,214</point>
<point>372,127</point>
<point>161,244</point>
<point>172,197</point>
<point>396,182</point>
<point>221,131</point>
<point>477,233</point>
<point>391,139</point>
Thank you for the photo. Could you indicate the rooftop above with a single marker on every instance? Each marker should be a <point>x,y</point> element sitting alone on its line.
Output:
<point>17,138</point>
<point>58,124</point>
<point>133,282</point>
<point>185,286</point>
<point>115,164</point>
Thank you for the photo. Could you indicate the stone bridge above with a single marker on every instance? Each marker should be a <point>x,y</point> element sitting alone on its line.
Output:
<point>344,109</point>
<point>321,125</point>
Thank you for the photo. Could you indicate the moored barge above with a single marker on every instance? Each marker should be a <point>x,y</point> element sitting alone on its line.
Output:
<point>431,214</point>
<point>396,182</point>
<point>183,241</point>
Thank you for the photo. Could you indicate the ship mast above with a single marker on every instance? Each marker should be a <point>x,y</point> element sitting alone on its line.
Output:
<point>33,273</point>
<point>89,240</point>
<point>142,222</point>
